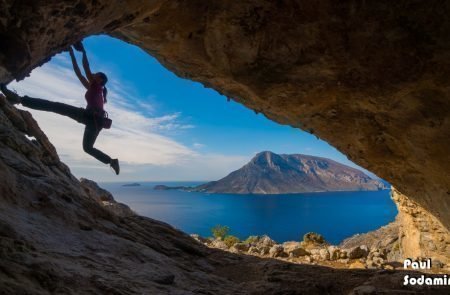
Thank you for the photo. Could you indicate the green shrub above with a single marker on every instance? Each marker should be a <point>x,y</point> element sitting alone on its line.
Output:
<point>313,238</point>
<point>251,240</point>
<point>220,231</point>
<point>231,240</point>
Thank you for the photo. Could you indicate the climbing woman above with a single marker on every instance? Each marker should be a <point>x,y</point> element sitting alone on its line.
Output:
<point>93,116</point>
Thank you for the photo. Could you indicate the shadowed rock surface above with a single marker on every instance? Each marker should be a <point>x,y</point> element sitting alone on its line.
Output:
<point>270,173</point>
<point>105,198</point>
<point>369,77</point>
<point>56,237</point>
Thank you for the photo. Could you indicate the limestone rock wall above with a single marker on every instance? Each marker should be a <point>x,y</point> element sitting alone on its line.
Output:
<point>369,77</point>
<point>414,234</point>
<point>421,235</point>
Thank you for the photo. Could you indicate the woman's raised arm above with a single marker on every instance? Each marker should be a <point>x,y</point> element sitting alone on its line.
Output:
<point>76,69</point>
<point>86,67</point>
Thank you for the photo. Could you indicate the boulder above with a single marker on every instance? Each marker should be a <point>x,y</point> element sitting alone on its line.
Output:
<point>264,250</point>
<point>378,261</point>
<point>290,246</point>
<point>308,259</point>
<point>277,251</point>
<point>324,254</point>
<point>294,249</point>
<point>219,244</point>
<point>240,247</point>
<point>334,252</point>
<point>375,253</point>
<point>297,252</point>
<point>265,241</point>
<point>253,250</point>
<point>358,252</point>
<point>260,241</point>
<point>233,249</point>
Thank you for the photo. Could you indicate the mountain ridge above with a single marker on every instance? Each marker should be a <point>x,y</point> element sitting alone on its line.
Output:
<point>271,173</point>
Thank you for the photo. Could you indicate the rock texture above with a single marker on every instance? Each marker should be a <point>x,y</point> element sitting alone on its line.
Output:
<point>270,173</point>
<point>105,198</point>
<point>56,237</point>
<point>359,252</point>
<point>369,77</point>
<point>385,239</point>
<point>420,234</point>
<point>414,233</point>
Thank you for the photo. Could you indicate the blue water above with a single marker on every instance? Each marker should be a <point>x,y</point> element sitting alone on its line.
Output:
<point>335,215</point>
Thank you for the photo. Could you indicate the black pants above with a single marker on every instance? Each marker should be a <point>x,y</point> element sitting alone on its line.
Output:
<point>83,116</point>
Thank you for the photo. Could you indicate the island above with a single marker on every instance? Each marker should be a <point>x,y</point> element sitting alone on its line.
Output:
<point>271,173</point>
<point>161,187</point>
<point>132,184</point>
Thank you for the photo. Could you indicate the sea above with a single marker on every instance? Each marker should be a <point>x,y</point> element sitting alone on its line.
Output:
<point>284,217</point>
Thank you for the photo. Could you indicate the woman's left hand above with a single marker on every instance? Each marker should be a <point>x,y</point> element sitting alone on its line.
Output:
<point>79,46</point>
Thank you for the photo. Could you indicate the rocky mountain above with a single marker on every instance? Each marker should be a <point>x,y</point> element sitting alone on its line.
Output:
<point>270,173</point>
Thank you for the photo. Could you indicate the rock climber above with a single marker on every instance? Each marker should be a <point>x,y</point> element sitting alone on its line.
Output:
<point>93,116</point>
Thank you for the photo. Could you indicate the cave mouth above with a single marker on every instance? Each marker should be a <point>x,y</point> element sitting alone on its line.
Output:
<point>379,66</point>
<point>321,72</point>
<point>166,120</point>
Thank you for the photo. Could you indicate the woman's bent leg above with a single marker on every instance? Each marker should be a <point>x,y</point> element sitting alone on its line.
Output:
<point>89,137</point>
<point>54,107</point>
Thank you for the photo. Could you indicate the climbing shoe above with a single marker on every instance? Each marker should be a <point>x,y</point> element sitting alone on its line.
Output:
<point>115,166</point>
<point>11,96</point>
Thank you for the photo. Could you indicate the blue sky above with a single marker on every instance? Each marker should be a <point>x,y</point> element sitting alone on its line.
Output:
<point>164,127</point>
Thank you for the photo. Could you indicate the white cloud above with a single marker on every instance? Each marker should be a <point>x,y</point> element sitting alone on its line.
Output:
<point>137,139</point>
<point>198,145</point>
<point>132,139</point>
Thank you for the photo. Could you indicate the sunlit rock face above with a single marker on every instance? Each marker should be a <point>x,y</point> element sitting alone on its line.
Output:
<point>369,77</point>
<point>420,234</point>
<point>414,234</point>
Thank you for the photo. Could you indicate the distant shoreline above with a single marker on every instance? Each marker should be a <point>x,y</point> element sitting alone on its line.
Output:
<point>193,189</point>
<point>269,173</point>
<point>131,184</point>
